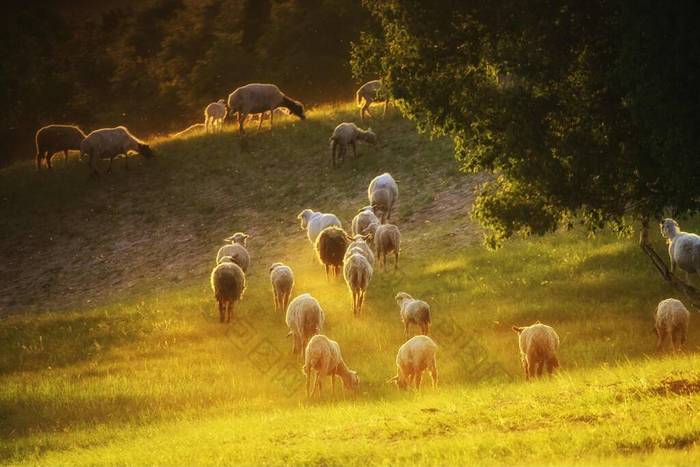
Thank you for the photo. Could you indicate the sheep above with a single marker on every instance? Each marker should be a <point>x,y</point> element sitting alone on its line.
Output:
<point>282,279</point>
<point>387,239</point>
<point>538,347</point>
<point>348,134</point>
<point>236,250</point>
<point>415,356</point>
<point>315,221</point>
<point>671,321</point>
<point>413,312</point>
<point>228,283</point>
<point>55,138</point>
<point>383,201</point>
<point>322,358</point>
<point>331,245</point>
<point>108,143</point>
<point>357,273</point>
<point>364,217</point>
<point>371,91</point>
<point>214,116</point>
<point>305,318</point>
<point>359,245</point>
<point>683,248</point>
<point>259,98</point>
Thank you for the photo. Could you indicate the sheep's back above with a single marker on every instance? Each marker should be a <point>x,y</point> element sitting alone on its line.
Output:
<point>255,98</point>
<point>686,252</point>
<point>228,281</point>
<point>318,223</point>
<point>238,253</point>
<point>331,245</point>
<point>671,314</point>
<point>282,277</point>
<point>59,137</point>
<point>417,353</point>
<point>539,339</point>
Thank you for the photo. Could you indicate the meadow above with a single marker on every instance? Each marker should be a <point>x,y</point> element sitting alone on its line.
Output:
<point>111,350</point>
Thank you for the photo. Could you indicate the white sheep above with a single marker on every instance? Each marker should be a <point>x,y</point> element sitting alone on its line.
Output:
<point>348,134</point>
<point>671,321</point>
<point>413,311</point>
<point>683,248</point>
<point>359,245</point>
<point>364,217</point>
<point>414,357</point>
<point>305,318</point>
<point>371,91</point>
<point>56,138</point>
<point>228,283</point>
<point>538,348</point>
<point>237,250</point>
<point>322,358</point>
<point>108,143</point>
<point>214,116</point>
<point>387,239</point>
<point>357,273</point>
<point>315,221</point>
<point>258,98</point>
<point>282,279</point>
<point>383,192</point>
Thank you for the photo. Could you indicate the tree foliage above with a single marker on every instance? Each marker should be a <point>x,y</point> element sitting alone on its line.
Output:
<point>585,111</point>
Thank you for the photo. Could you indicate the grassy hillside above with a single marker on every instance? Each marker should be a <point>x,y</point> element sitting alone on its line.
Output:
<point>111,350</point>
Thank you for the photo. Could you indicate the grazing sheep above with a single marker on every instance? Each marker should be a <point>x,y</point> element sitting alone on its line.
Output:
<point>538,347</point>
<point>323,358</point>
<point>387,239</point>
<point>214,116</point>
<point>258,98</point>
<point>236,250</point>
<point>683,248</point>
<point>55,138</point>
<point>359,245</point>
<point>228,283</point>
<point>304,319</point>
<point>364,217</point>
<point>413,312</point>
<point>282,279</point>
<point>671,321</point>
<point>383,201</point>
<point>108,143</point>
<point>314,222</point>
<point>357,273</point>
<point>348,134</point>
<point>371,91</point>
<point>415,356</point>
<point>331,245</point>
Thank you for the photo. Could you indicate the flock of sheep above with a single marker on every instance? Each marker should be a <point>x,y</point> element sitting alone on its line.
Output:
<point>372,239</point>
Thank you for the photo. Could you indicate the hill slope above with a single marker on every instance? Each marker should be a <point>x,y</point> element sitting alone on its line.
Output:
<point>110,350</point>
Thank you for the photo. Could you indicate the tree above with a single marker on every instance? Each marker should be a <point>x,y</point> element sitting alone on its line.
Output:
<point>584,111</point>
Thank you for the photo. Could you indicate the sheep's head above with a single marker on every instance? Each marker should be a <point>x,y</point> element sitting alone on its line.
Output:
<point>668,228</point>
<point>146,151</point>
<point>518,329</point>
<point>370,136</point>
<point>400,381</point>
<point>352,382</point>
<point>304,218</point>
<point>370,230</point>
<point>401,296</point>
<point>295,108</point>
<point>226,259</point>
<point>221,101</point>
<point>275,266</point>
<point>238,237</point>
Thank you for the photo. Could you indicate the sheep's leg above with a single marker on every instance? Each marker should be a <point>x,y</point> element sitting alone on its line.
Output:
<point>396,260</point>
<point>540,367</point>
<point>405,328</point>
<point>354,150</point>
<point>309,377</point>
<point>241,120</point>
<point>316,383</point>
<point>525,367</point>
<point>386,102</point>
<point>419,378</point>
<point>38,158</point>
<point>334,147</point>
<point>365,109</point>
<point>109,169</point>
<point>126,162</point>
<point>65,157</point>
<point>333,383</point>
<point>271,113</point>
<point>434,374</point>
<point>93,170</point>
<point>49,155</point>
<point>221,311</point>
<point>660,341</point>
<point>362,302</point>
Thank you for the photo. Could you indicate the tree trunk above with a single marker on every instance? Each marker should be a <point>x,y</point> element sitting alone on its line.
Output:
<point>691,292</point>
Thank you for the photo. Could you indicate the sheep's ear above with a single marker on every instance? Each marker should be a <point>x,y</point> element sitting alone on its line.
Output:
<point>289,334</point>
<point>392,379</point>
<point>246,236</point>
<point>229,239</point>
<point>518,329</point>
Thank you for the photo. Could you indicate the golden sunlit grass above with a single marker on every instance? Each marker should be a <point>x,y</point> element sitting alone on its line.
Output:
<point>148,375</point>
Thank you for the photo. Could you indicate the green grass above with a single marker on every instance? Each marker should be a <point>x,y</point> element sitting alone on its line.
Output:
<point>111,350</point>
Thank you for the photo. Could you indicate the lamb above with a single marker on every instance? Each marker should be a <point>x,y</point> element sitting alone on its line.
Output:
<point>348,134</point>
<point>258,98</point>
<point>282,279</point>
<point>415,356</point>
<point>331,245</point>
<point>671,321</point>
<point>305,318</point>
<point>55,138</point>
<point>315,221</point>
<point>214,116</point>
<point>323,358</point>
<point>357,273</point>
<point>387,239</point>
<point>383,201</point>
<point>538,348</point>
<point>236,250</point>
<point>364,217</point>
<point>413,312</point>
<point>228,283</point>
<point>683,248</point>
<point>108,143</point>
<point>359,245</point>
<point>371,91</point>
